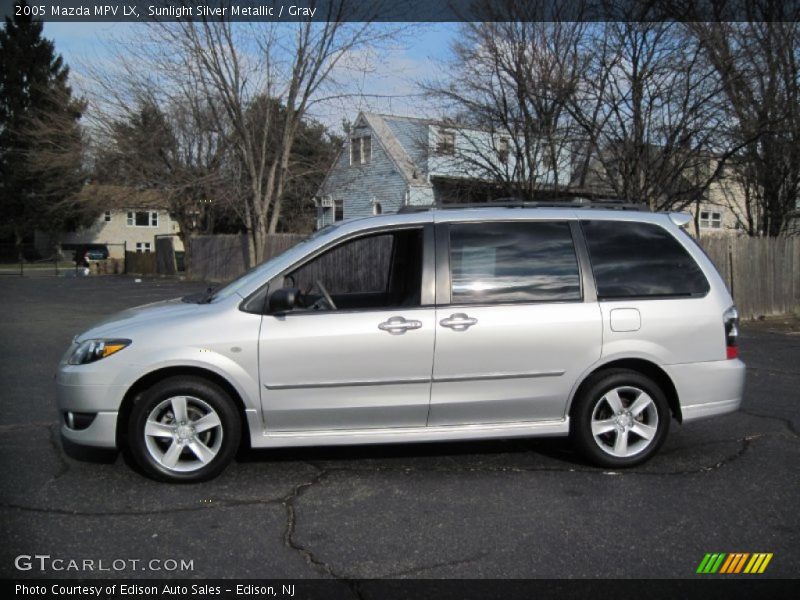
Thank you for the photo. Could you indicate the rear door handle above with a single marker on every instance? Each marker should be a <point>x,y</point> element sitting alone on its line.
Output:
<point>458,322</point>
<point>398,325</point>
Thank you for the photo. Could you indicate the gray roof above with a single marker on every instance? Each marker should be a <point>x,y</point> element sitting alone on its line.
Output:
<point>396,151</point>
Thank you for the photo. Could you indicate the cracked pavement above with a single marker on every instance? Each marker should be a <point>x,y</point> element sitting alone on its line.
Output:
<point>499,509</point>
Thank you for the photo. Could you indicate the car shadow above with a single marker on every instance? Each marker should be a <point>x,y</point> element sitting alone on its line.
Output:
<point>88,454</point>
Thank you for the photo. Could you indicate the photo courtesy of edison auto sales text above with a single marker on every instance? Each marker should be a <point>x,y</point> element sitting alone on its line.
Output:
<point>132,589</point>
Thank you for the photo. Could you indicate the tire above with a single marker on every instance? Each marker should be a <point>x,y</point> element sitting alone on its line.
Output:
<point>165,440</point>
<point>620,418</point>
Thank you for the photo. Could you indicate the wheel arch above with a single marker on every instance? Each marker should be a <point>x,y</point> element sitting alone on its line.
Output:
<point>643,366</point>
<point>149,379</point>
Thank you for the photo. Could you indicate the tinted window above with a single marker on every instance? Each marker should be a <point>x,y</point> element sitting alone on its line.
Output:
<point>512,262</point>
<point>360,265</point>
<point>640,260</point>
<point>379,271</point>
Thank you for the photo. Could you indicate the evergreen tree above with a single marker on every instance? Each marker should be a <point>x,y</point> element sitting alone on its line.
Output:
<point>40,139</point>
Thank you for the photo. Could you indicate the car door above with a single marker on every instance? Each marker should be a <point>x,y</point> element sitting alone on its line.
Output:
<point>367,363</point>
<point>516,322</point>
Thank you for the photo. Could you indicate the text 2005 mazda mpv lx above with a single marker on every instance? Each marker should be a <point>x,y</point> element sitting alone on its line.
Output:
<point>433,325</point>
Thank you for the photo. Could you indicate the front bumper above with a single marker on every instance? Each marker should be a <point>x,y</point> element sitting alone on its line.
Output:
<point>708,389</point>
<point>102,433</point>
<point>77,392</point>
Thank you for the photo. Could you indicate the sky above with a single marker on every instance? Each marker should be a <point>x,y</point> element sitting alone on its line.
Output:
<point>418,56</point>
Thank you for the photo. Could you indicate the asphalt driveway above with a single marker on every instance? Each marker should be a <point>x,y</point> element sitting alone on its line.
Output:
<point>506,509</point>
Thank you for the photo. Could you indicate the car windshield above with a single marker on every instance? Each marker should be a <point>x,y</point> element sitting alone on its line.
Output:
<point>257,273</point>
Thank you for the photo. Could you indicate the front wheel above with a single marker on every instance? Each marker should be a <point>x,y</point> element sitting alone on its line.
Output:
<point>620,419</point>
<point>184,429</point>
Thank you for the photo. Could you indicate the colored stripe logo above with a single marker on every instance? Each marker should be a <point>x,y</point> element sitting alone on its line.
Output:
<point>734,563</point>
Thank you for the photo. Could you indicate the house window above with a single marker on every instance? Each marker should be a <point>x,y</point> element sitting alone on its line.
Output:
<point>142,218</point>
<point>338,210</point>
<point>710,220</point>
<point>360,150</point>
<point>377,209</point>
<point>446,143</point>
<point>502,149</point>
<point>143,247</point>
<point>107,216</point>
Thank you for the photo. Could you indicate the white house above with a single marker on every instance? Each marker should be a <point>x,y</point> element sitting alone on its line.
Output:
<point>129,229</point>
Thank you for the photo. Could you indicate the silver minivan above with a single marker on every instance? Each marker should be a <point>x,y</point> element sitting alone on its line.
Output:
<point>462,324</point>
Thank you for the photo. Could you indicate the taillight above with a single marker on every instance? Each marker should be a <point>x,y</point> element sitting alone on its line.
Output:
<point>731,319</point>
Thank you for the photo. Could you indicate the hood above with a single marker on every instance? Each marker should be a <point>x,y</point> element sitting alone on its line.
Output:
<point>120,323</point>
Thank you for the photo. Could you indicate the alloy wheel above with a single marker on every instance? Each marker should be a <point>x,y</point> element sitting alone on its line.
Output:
<point>624,421</point>
<point>183,434</point>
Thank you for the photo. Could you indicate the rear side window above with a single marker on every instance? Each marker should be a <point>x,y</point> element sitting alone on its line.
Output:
<point>512,262</point>
<point>640,260</point>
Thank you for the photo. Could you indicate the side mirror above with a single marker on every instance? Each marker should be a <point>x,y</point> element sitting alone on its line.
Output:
<point>283,300</point>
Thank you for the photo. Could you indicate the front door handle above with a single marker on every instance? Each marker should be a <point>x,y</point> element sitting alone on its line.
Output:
<point>458,322</point>
<point>398,325</point>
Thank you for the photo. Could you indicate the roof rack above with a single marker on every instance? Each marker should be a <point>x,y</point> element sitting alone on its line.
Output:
<point>519,203</point>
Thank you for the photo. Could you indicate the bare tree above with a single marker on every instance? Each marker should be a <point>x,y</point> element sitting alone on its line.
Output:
<point>168,151</point>
<point>295,66</point>
<point>514,78</point>
<point>758,65</point>
<point>627,109</point>
<point>650,112</point>
<point>55,150</point>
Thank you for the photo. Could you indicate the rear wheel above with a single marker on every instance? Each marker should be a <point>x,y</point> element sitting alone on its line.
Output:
<point>184,429</point>
<point>620,419</point>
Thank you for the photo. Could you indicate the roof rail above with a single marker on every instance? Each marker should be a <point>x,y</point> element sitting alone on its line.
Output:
<point>519,203</point>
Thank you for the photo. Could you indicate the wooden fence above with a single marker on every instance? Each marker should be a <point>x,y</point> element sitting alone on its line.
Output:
<point>763,274</point>
<point>225,257</point>
<point>140,263</point>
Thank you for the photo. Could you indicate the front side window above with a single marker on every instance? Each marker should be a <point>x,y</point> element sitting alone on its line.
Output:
<point>513,262</point>
<point>373,272</point>
<point>640,260</point>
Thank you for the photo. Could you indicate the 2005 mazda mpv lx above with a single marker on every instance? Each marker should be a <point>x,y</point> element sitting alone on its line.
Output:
<point>431,325</point>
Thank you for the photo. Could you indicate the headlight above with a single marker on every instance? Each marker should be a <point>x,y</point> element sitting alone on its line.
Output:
<point>90,351</point>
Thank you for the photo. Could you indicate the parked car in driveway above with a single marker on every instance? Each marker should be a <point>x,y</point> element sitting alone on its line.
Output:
<point>91,252</point>
<point>499,322</point>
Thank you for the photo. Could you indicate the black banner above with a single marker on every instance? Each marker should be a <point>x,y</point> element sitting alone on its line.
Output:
<point>405,10</point>
<point>411,589</point>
